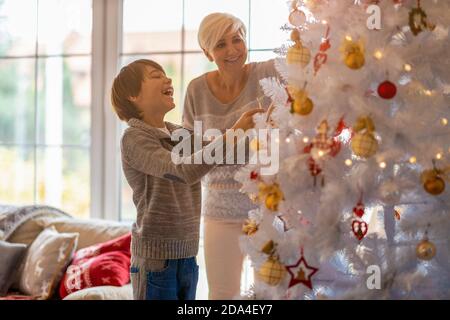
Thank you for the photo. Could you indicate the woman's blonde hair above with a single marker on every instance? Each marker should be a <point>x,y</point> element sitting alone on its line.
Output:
<point>215,25</point>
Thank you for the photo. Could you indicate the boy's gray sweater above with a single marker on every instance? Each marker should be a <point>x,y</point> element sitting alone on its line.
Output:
<point>167,195</point>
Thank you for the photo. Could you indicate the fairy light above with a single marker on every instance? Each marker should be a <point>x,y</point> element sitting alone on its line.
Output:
<point>428,93</point>
<point>378,54</point>
<point>439,156</point>
<point>408,67</point>
<point>444,121</point>
<point>321,153</point>
<point>348,162</point>
<point>412,160</point>
<point>324,22</point>
<point>382,165</point>
<point>348,38</point>
<point>288,140</point>
<point>305,139</point>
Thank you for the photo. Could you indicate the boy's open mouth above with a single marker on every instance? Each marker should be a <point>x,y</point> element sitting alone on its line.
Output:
<point>168,92</point>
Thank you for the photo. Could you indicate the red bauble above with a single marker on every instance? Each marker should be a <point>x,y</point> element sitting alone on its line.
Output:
<point>387,90</point>
<point>254,175</point>
<point>359,209</point>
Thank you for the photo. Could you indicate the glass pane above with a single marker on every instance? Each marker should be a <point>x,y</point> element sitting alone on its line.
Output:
<point>150,26</point>
<point>265,32</point>
<point>17,182</point>
<point>172,66</point>
<point>65,26</point>
<point>196,10</point>
<point>64,101</point>
<point>18,27</point>
<point>17,101</point>
<point>63,179</point>
<point>127,209</point>
<point>195,64</point>
<point>256,56</point>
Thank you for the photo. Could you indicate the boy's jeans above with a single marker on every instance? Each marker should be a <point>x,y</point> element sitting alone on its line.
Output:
<point>174,279</point>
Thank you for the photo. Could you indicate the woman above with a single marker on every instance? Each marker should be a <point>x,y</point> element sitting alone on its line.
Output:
<point>217,99</point>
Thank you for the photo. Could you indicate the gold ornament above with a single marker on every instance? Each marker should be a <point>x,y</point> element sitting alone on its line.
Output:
<point>353,54</point>
<point>298,54</point>
<point>271,194</point>
<point>272,271</point>
<point>364,144</point>
<point>425,250</point>
<point>432,182</point>
<point>250,227</point>
<point>302,104</point>
<point>269,248</point>
<point>418,21</point>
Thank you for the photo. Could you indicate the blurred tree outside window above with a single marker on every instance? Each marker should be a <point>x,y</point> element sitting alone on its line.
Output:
<point>45,103</point>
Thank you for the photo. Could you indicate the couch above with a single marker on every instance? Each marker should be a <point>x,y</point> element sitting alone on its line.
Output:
<point>85,234</point>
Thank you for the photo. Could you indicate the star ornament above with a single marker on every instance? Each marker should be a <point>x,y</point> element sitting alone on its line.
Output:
<point>301,272</point>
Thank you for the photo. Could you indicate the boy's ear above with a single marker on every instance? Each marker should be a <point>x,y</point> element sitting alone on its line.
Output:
<point>132,99</point>
<point>210,58</point>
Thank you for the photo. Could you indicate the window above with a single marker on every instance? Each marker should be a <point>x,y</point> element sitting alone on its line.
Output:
<point>45,103</point>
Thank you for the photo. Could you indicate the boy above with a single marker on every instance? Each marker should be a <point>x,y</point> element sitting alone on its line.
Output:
<point>165,235</point>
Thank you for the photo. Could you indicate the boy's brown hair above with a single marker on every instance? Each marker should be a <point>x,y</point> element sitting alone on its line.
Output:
<point>128,84</point>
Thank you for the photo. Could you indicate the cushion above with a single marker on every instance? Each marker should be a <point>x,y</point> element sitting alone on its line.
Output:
<point>108,268</point>
<point>12,255</point>
<point>92,231</point>
<point>45,262</point>
<point>121,243</point>
<point>103,293</point>
<point>27,232</point>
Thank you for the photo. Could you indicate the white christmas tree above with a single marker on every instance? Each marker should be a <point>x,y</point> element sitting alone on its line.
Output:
<point>358,208</point>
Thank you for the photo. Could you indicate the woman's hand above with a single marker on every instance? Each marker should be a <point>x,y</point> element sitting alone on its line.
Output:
<point>245,122</point>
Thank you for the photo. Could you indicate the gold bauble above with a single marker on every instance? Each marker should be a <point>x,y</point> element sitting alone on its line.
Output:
<point>355,60</point>
<point>302,106</point>
<point>434,186</point>
<point>272,201</point>
<point>298,54</point>
<point>425,250</point>
<point>364,144</point>
<point>272,272</point>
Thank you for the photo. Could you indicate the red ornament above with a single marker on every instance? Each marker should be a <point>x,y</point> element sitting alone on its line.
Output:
<point>301,272</point>
<point>360,229</point>
<point>359,209</point>
<point>322,57</point>
<point>314,168</point>
<point>387,90</point>
<point>254,175</point>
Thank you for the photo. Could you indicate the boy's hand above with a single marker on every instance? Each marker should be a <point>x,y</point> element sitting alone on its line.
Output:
<point>245,122</point>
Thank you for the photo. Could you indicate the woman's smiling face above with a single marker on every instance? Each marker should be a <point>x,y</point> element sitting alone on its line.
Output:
<point>230,52</point>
